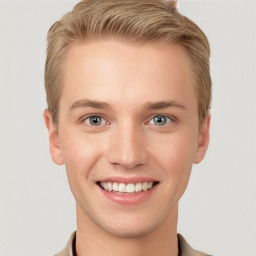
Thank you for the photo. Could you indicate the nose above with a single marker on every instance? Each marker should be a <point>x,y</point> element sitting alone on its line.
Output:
<point>127,147</point>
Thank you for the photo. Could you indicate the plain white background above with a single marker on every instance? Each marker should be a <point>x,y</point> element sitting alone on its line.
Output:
<point>37,210</point>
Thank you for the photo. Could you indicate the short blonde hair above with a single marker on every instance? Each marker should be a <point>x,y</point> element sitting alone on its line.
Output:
<point>136,20</point>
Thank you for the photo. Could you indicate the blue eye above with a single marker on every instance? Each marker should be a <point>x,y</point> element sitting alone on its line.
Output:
<point>95,120</point>
<point>160,120</point>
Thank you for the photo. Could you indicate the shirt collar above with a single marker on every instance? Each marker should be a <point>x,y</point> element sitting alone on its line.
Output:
<point>184,248</point>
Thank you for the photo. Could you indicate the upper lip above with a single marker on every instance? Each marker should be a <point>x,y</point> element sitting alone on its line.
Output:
<point>127,180</point>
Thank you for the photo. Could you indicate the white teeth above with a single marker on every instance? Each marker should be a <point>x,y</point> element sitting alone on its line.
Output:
<point>115,186</point>
<point>110,186</point>
<point>126,188</point>
<point>105,185</point>
<point>130,188</point>
<point>121,187</point>
<point>138,187</point>
<point>145,186</point>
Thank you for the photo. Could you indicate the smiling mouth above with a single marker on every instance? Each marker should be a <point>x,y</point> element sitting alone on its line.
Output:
<point>127,188</point>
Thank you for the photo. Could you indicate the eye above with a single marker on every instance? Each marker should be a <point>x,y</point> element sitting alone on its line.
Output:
<point>160,120</point>
<point>95,120</point>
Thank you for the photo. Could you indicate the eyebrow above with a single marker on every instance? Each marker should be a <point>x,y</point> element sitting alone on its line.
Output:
<point>148,106</point>
<point>164,104</point>
<point>90,103</point>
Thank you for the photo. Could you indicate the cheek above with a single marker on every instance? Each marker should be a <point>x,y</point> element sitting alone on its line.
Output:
<point>177,150</point>
<point>175,154</point>
<point>80,153</point>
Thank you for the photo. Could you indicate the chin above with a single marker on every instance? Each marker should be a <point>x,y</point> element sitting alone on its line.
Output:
<point>129,226</point>
<point>125,222</point>
<point>130,231</point>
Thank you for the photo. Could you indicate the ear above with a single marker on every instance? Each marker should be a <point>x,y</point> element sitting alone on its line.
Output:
<point>54,145</point>
<point>203,140</point>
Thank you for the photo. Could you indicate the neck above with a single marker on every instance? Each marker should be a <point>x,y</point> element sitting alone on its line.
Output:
<point>92,240</point>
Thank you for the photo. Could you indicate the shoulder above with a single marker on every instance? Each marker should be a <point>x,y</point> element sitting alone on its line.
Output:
<point>184,248</point>
<point>187,250</point>
<point>67,251</point>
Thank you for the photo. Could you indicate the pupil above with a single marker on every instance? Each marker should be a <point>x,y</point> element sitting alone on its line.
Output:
<point>160,120</point>
<point>95,120</point>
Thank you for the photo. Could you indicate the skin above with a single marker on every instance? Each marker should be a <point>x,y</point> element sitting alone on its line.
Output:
<point>130,78</point>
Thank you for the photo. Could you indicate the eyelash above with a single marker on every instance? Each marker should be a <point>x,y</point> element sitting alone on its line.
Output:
<point>170,119</point>
<point>85,118</point>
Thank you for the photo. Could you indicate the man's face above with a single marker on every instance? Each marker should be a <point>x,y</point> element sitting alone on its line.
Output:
<point>128,122</point>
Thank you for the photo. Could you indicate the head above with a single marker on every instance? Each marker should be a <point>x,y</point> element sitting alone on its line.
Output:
<point>128,89</point>
<point>137,21</point>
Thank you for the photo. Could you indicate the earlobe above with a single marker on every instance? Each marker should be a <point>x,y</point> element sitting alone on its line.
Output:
<point>203,140</point>
<point>54,145</point>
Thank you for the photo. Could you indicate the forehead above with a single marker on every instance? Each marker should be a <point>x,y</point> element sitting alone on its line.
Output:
<point>114,69</point>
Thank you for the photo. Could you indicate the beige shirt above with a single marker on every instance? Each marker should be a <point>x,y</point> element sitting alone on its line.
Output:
<point>184,248</point>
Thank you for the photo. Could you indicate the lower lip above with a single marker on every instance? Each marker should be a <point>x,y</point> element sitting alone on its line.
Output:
<point>129,198</point>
